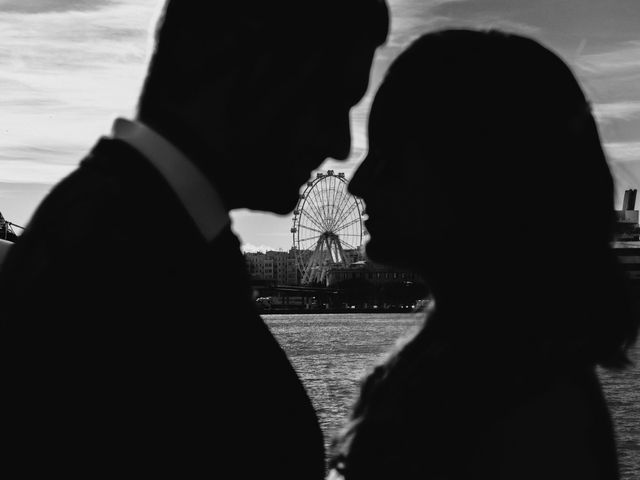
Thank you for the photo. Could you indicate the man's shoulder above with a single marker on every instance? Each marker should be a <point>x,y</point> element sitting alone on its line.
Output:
<point>118,169</point>
<point>113,202</point>
<point>114,186</point>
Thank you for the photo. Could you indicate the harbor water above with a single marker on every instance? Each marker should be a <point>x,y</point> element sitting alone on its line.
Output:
<point>331,353</point>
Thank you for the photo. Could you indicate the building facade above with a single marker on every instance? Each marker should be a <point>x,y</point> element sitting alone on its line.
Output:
<point>281,268</point>
<point>277,267</point>
<point>371,272</point>
<point>627,238</point>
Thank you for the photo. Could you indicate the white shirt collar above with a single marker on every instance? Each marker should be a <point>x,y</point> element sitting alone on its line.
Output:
<point>196,193</point>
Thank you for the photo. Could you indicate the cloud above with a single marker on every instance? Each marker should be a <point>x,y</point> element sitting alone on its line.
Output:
<point>623,151</point>
<point>67,68</point>
<point>79,40</point>
<point>30,171</point>
<point>504,24</point>
<point>359,121</point>
<point>605,112</point>
<point>18,201</point>
<point>250,248</point>
<point>619,59</point>
<point>563,21</point>
<point>626,175</point>
<point>45,6</point>
<point>411,18</point>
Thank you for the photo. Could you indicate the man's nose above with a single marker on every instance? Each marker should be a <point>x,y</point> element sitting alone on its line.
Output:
<point>358,183</point>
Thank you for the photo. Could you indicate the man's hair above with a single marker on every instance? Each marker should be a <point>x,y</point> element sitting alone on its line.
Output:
<point>199,41</point>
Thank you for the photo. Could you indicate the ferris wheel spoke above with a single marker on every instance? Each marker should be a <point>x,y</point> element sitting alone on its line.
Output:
<point>306,239</point>
<point>333,192</point>
<point>312,229</point>
<point>327,201</point>
<point>351,247</point>
<point>346,202</point>
<point>313,203</point>
<point>336,199</point>
<point>309,201</point>
<point>320,217</point>
<point>317,205</point>
<point>312,219</point>
<point>313,216</point>
<point>343,205</point>
<point>323,195</point>
<point>344,197</point>
<point>332,195</point>
<point>348,212</point>
<point>347,225</point>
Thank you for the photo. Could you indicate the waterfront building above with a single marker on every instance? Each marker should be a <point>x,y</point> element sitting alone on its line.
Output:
<point>627,238</point>
<point>277,267</point>
<point>375,274</point>
<point>627,228</point>
<point>365,284</point>
<point>280,267</point>
<point>277,285</point>
<point>276,274</point>
<point>628,254</point>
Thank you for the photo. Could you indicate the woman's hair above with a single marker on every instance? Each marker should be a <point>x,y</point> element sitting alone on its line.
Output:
<point>503,121</point>
<point>501,109</point>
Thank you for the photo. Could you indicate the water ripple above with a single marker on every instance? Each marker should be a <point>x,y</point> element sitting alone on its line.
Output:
<point>331,353</point>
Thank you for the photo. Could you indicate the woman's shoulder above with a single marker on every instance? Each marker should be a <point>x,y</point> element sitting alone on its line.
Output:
<point>570,405</point>
<point>562,431</point>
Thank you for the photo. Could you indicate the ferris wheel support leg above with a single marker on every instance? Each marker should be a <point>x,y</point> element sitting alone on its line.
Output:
<point>343,256</point>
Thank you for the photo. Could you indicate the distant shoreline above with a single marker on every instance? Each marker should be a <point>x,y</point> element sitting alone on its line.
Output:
<point>335,311</point>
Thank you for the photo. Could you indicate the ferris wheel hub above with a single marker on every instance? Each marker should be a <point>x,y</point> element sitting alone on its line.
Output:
<point>327,227</point>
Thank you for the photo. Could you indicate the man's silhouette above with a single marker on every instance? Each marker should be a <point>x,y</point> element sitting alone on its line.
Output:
<point>130,339</point>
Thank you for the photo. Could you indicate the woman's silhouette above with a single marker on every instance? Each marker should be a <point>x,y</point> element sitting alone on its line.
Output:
<point>485,174</point>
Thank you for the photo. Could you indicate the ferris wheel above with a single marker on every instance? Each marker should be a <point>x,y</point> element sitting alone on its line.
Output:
<point>327,227</point>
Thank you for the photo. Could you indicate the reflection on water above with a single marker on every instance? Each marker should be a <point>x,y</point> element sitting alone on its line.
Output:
<point>332,352</point>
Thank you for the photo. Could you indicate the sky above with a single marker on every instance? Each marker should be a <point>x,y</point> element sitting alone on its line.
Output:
<point>69,67</point>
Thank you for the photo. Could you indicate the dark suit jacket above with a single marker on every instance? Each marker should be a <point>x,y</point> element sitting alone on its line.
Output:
<point>132,346</point>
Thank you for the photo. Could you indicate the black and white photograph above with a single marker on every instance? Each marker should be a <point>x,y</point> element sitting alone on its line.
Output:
<point>335,240</point>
